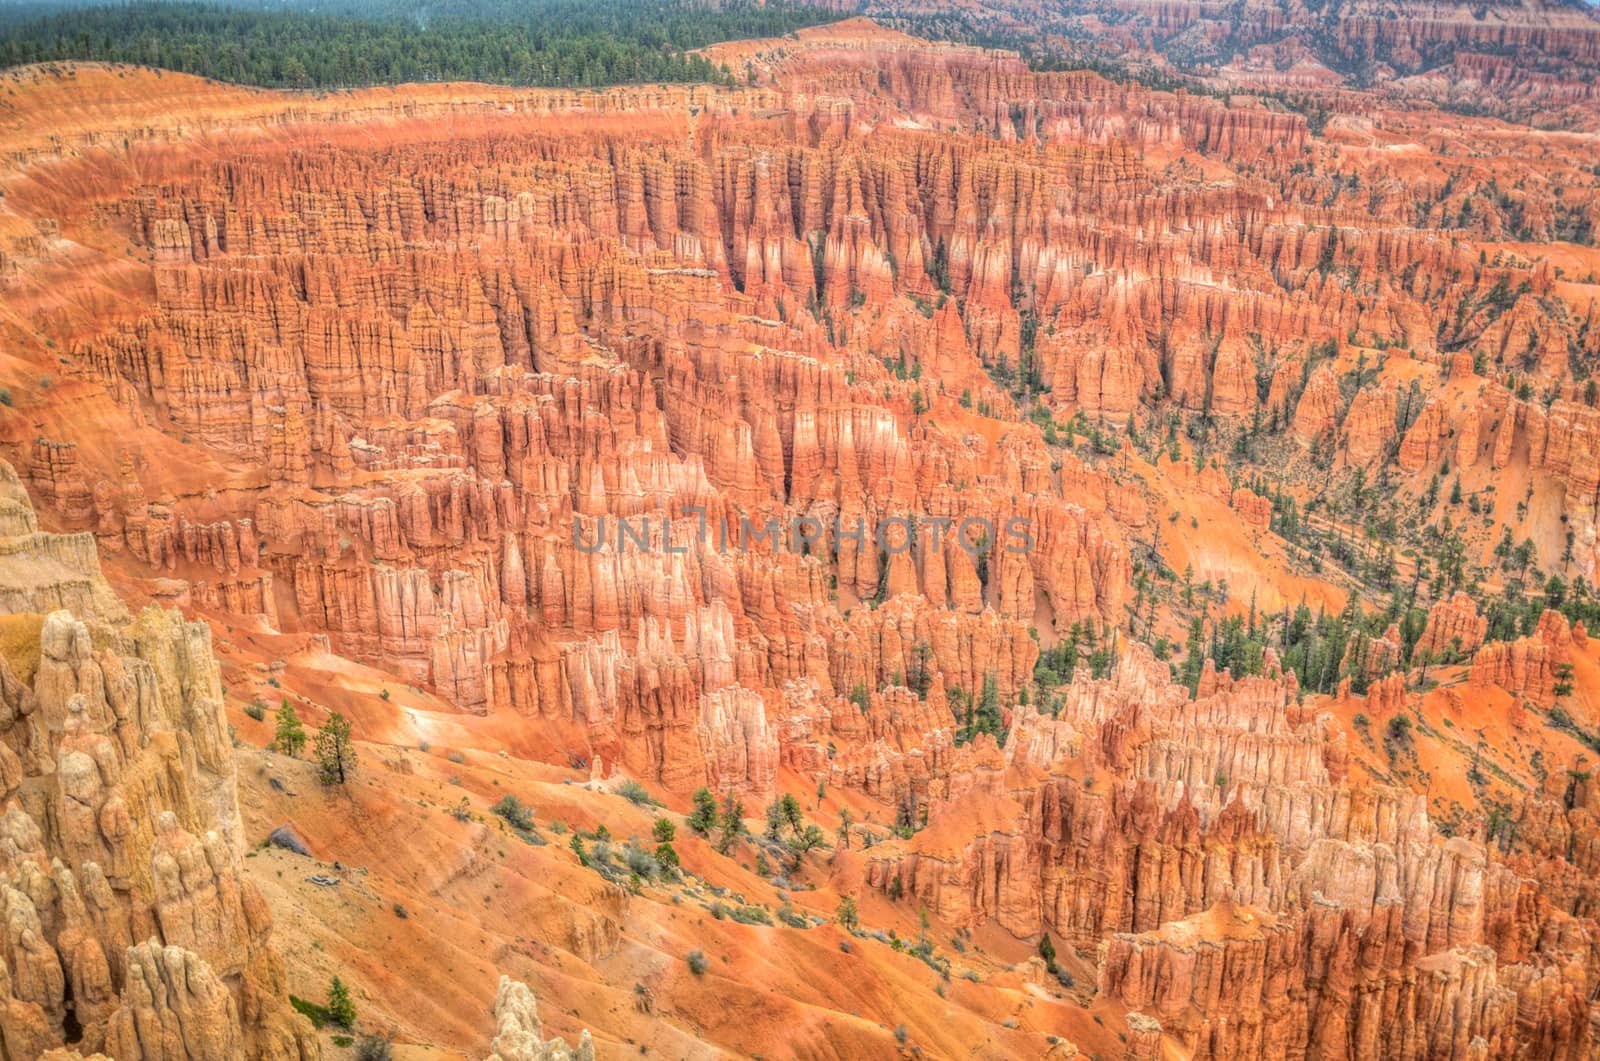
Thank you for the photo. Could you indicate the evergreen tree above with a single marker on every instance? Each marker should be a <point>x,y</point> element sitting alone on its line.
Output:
<point>341,1010</point>
<point>335,751</point>
<point>775,820</point>
<point>792,814</point>
<point>732,821</point>
<point>806,839</point>
<point>704,815</point>
<point>664,831</point>
<point>1047,951</point>
<point>291,735</point>
<point>547,42</point>
<point>1195,661</point>
<point>989,719</point>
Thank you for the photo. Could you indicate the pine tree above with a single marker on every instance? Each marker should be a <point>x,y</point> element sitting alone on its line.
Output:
<point>1195,661</point>
<point>335,751</point>
<point>291,735</point>
<point>792,814</point>
<point>775,820</point>
<point>989,720</point>
<point>341,1010</point>
<point>805,839</point>
<point>732,822</point>
<point>704,815</point>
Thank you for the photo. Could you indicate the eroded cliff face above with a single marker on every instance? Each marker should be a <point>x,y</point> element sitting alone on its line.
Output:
<point>380,378</point>
<point>1525,61</point>
<point>130,927</point>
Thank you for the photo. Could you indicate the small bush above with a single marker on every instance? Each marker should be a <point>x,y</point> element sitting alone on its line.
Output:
<point>256,710</point>
<point>1397,737</point>
<point>373,1048</point>
<point>697,962</point>
<point>635,793</point>
<point>400,912</point>
<point>640,861</point>
<point>317,1015</point>
<point>515,813</point>
<point>456,757</point>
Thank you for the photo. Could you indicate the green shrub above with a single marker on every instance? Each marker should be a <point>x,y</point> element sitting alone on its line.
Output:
<point>635,793</point>
<point>317,1015</point>
<point>640,861</point>
<point>515,813</point>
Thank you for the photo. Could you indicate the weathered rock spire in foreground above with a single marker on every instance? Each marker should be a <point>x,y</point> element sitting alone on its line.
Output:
<point>130,928</point>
